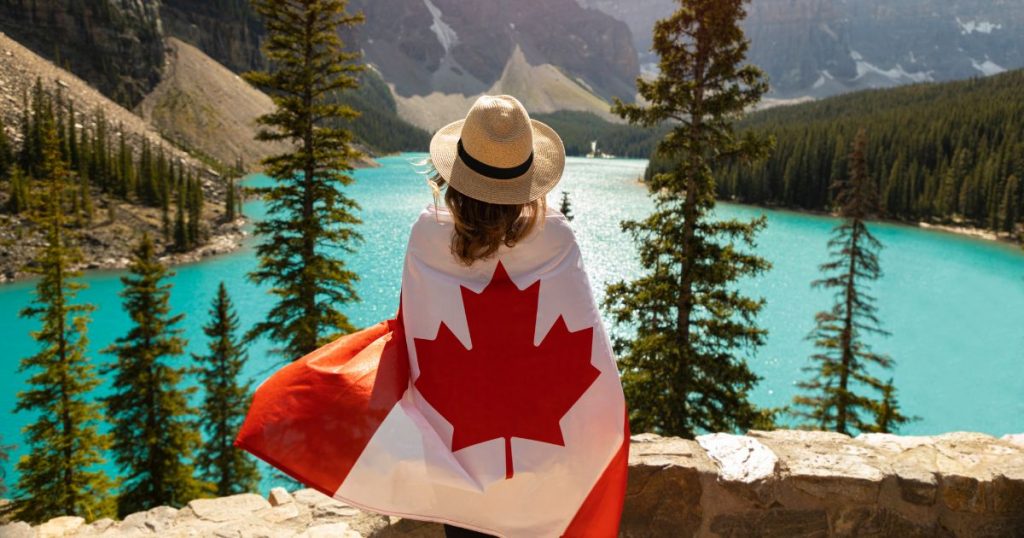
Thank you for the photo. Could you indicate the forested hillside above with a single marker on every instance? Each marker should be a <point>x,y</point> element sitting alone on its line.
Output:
<point>579,129</point>
<point>950,152</point>
<point>378,124</point>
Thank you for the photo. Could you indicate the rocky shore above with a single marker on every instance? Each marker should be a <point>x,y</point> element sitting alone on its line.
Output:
<point>767,484</point>
<point>107,246</point>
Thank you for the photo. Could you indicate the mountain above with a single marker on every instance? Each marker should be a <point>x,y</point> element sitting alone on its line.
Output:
<point>818,48</point>
<point>229,31</point>
<point>436,56</point>
<point>453,46</point>
<point>201,104</point>
<point>20,68</point>
<point>556,53</point>
<point>117,46</point>
<point>131,149</point>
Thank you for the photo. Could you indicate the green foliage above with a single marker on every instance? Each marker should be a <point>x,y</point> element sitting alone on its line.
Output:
<point>57,474</point>
<point>308,216</point>
<point>841,370</point>
<point>1010,209</point>
<point>154,439</point>
<point>684,370</point>
<point>19,195</point>
<point>96,158</point>
<point>579,129</point>
<point>195,202</point>
<point>231,201</point>
<point>226,401</point>
<point>939,152</point>
<point>566,207</point>
<point>4,458</point>
<point>182,240</point>
<point>6,150</point>
<point>378,125</point>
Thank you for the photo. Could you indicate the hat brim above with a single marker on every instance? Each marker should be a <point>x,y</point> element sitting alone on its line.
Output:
<point>543,175</point>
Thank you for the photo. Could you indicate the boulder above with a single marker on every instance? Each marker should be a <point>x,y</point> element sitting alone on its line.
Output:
<point>228,508</point>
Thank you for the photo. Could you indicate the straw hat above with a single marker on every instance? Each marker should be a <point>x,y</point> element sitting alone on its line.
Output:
<point>498,154</point>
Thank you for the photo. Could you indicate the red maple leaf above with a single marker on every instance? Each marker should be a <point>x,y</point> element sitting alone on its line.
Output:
<point>504,386</point>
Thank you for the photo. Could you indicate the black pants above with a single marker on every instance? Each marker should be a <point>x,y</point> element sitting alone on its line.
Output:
<point>458,532</point>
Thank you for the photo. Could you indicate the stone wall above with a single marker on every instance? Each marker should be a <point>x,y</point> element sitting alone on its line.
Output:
<point>783,483</point>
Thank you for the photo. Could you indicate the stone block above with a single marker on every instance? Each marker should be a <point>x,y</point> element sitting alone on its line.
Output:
<point>228,508</point>
<point>279,496</point>
<point>739,458</point>
<point>330,530</point>
<point>774,523</point>
<point>60,526</point>
<point>18,529</point>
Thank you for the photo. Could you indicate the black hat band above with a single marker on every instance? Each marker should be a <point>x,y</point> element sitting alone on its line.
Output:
<point>493,172</point>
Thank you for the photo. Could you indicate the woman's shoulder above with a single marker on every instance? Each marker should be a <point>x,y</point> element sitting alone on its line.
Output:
<point>433,222</point>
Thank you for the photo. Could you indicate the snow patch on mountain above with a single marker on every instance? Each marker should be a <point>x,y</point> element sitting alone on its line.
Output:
<point>896,74</point>
<point>445,34</point>
<point>988,67</point>
<point>981,27</point>
<point>823,79</point>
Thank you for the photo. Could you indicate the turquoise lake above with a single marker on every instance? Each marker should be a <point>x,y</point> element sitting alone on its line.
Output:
<point>954,305</point>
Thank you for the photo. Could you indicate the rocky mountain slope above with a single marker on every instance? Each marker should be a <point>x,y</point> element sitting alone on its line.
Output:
<point>229,31</point>
<point>452,46</point>
<point>116,45</point>
<point>541,88</point>
<point>106,242</point>
<point>439,54</point>
<point>201,104</point>
<point>21,67</point>
<point>818,48</point>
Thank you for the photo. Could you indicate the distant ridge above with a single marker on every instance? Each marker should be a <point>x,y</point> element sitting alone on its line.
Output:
<point>542,89</point>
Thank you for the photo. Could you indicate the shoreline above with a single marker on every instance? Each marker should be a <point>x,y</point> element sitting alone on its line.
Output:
<point>229,238</point>
<point>959,230</point>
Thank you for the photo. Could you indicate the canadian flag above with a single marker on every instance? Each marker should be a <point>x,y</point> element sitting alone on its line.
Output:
<point>492,402</point>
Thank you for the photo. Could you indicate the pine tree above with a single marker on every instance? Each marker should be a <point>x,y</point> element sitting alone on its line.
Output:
<point>19,197</point>
<point>154,439</point>
<point>58,475</point>
<point>194,204</point>
<point>306,210</point>
<point>74,158</point>
<point>6,151</point>
<point>566,207</point>
<point>229,469</point>
<point>229,201</point>
<point>684,370</point>
<point>888,417</point>
<point>88,209</point>
<point>4,458</point>
<point>1009,207</point>
<point>181,235</point>
<point>840,373</point>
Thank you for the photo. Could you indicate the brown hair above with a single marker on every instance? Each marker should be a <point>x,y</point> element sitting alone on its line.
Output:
<point>481,228</point>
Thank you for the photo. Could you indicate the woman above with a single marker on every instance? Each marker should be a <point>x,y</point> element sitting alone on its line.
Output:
<point>492,402</point>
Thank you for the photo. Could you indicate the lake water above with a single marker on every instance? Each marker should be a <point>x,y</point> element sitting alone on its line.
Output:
<point>955,305</point>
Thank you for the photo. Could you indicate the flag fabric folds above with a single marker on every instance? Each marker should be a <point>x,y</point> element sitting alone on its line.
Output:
<point>492,401</point>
